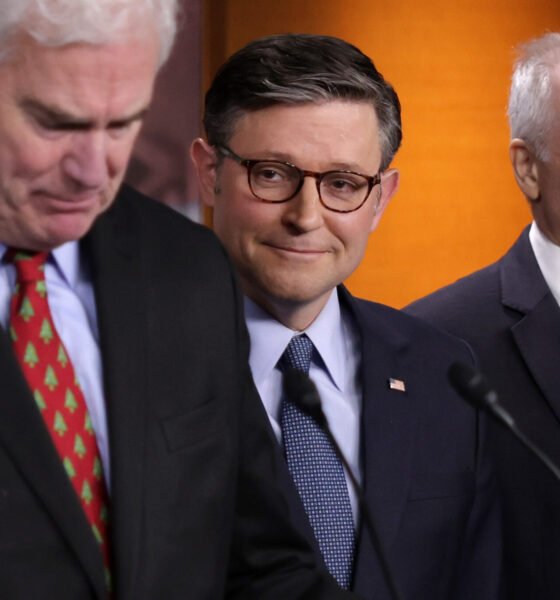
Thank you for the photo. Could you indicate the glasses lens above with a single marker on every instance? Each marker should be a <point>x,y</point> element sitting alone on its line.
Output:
<point>273,181</point>
<point>344,191</point>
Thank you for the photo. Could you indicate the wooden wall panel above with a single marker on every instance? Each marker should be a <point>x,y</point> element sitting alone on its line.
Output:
<point>458,207</point>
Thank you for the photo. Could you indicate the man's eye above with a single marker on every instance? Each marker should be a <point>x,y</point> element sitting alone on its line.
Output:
<point>271,173</point>
<point>54,126</point>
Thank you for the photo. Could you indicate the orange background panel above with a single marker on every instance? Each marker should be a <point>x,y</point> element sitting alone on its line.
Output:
<point>458,207</point>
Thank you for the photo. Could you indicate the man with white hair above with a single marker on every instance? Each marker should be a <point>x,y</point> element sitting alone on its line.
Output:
<point>135,458</point>
<point>509,312</point>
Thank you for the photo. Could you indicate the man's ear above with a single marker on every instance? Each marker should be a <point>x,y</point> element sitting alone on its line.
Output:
<point>525,169</point>
<point>389,186</point>
<point>205,162</point>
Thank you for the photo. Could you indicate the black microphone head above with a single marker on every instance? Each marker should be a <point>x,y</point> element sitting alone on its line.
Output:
<point>471,384</point>
<point>301,390</point>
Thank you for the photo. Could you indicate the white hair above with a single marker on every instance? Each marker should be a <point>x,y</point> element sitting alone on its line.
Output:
<point>530,109</point>
<point>62,22</point>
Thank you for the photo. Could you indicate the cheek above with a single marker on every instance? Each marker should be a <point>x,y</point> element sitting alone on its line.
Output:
<point>28,160</point>
<point>352,231</point>
<point>240,218</point>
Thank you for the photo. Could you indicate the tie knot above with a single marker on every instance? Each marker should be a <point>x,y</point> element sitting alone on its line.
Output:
<point>30,266</point>
<point>298,353</point>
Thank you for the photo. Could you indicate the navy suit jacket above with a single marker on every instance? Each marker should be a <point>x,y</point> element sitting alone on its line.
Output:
<point>508,314</point>
<point>427,478</point>
<point>196,509</point>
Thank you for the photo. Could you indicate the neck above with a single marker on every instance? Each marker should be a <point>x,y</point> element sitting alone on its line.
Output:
<point>295,315</point>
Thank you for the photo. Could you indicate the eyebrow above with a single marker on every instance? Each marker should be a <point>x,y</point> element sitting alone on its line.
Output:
<point>59,118</point>
<point>337,166</point>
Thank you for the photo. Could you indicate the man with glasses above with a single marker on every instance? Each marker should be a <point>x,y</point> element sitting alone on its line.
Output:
<point>300,134</point>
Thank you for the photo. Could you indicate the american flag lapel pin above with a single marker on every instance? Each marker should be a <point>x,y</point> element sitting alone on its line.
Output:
<point>397,385</point>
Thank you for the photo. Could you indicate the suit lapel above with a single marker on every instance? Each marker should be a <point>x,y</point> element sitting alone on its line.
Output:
<point>537,332</point>
<point>28,442</point>
<point>115,256</point>
<point>387,433</point>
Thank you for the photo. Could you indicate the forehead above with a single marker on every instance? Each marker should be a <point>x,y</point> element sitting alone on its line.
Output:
<point>82,79</point>
<point>334,130</point>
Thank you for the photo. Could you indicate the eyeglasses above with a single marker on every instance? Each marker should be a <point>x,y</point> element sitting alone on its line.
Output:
<point>275,181</point>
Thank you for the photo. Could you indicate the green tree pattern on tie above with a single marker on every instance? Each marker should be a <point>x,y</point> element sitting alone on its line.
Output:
<point>41,288</point>
<point>61,357</point>
<point>68,465</point>
<point>87,495</point>
<point>26,310</point>
<point>57,393</point>
<point>30,357</point>
<point>70,401</point>
<point>46,333</point>
<point>79,446</point>
<point>60,424</point>
<point>51,380</point>
<point>87,424</point>
<point>39,400</point>
<point>96,533</point>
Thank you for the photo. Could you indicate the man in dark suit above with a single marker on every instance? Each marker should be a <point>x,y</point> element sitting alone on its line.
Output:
<point>509,314</point>
<point>134,452</point>
<point>301,130</point>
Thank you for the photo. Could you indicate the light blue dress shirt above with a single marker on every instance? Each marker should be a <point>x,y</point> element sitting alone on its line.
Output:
<point>336,375</point>
<point>547,254</point>
<point>72,303</point>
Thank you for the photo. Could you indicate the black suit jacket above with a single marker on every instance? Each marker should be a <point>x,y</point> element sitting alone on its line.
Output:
<point>427,478</point>
<point>196,511</point>
<point>508,314</point>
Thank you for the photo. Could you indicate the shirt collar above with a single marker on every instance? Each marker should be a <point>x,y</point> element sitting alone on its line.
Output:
<point>66,258</point>
<point>548,258</point>
<point>269,339</point>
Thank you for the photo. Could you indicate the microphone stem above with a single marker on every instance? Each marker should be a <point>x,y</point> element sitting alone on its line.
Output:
<point>367,518</point>
<point>544,458</point>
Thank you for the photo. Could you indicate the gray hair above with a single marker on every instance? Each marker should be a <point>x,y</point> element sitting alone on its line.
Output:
<point>530,110</point>
<point>300,69</point>
<point>61,22</point>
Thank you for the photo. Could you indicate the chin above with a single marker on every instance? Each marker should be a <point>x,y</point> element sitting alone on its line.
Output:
<point>66,230</point>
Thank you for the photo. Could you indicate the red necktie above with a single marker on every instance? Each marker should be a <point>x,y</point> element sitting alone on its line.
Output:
<point>51,377</point>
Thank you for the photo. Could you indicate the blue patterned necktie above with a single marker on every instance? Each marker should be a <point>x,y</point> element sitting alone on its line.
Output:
<point>318,474</point>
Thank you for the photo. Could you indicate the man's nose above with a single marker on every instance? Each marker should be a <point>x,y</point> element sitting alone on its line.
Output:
<point>86,163</point>
<point>305,211</point>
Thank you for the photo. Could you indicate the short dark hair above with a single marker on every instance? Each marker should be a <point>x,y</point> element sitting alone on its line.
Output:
<point>299,69</point>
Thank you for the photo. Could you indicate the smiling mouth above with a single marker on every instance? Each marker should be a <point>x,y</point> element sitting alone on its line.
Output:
<point>295,250</point>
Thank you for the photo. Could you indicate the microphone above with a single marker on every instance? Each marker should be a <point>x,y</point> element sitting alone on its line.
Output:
<point>475,389</point>
<point>301,390</point>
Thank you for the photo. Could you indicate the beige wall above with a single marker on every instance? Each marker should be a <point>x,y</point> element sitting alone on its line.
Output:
<point>458,207</point>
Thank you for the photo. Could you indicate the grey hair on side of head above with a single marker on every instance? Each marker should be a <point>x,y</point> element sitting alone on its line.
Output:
<point>61,22</point>
<point>530,110</point>
<point>297,69</point>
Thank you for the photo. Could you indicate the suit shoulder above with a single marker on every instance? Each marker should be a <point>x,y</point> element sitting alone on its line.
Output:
<point>469,295</point>
<point>415,330</point>
<point>155,214</point>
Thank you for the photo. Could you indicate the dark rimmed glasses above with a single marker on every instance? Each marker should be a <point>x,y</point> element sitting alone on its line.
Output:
<point>276,181</point>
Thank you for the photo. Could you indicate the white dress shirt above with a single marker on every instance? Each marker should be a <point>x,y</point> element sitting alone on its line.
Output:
<point>72,304</point>
<point>336,373</point>
<point>547,254</point>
